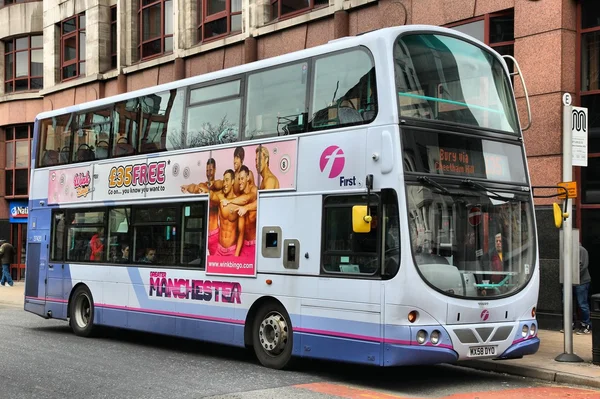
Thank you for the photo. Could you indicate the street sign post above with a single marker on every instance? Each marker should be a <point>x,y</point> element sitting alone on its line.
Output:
<point>568,355</point>
<point>579,133</point>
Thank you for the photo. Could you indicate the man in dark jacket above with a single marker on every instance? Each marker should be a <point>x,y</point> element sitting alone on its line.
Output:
<point>582,290</point>
<point>7,253</point>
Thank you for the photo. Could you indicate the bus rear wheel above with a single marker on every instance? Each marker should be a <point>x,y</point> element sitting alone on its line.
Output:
<point>272,336</point>
<point>81,312</point>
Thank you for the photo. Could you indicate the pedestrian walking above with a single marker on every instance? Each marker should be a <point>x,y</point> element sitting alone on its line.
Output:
<point>7,253</point>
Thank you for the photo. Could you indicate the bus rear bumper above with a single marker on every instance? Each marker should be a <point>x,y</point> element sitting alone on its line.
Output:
<point>520,349</point>
<point>35,307</point>
<point>404,355</point>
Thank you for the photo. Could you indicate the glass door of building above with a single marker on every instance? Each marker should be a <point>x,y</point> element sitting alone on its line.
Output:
<point>18,238</point>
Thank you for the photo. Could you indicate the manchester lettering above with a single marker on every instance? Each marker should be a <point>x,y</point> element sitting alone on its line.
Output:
<point>199,290</point>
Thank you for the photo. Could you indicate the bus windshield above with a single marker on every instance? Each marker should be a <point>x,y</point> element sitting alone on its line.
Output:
<point>470,241</point>
<point>448,79</point>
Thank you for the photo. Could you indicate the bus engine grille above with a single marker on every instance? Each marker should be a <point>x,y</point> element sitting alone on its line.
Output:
<point>470,335</point>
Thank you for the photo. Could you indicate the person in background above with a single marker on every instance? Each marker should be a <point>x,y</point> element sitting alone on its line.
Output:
<point>582,291</point>
<point>97,246</point>
<point>7,253</point>
<point>497,260</point>
<point>149,256</point>
<point>123,257</point>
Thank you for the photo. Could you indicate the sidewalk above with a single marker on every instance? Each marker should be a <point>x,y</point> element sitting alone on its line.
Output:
<point>541,365</point>
<point>13,295</point>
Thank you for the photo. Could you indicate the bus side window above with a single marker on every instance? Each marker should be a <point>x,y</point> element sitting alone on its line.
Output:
<point>157,113</point>
<point>344,96</point>
<point>345,251</point>
<point>58,236</point>
<point>126,116</point>
<point>213,116</point>
<point>276,103</point>
<point>55,140</point>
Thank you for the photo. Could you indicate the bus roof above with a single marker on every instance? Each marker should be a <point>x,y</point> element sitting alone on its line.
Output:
<point>388,35</point>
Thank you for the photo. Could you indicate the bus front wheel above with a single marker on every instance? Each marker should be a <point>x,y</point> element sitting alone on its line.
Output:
<point>272,336</point>
<point>81,312</point>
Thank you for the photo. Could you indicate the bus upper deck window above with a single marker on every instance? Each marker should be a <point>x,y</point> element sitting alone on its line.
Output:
<point>344,97</point>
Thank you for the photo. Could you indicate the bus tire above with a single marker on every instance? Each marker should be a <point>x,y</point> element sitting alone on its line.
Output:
<point>272,336</point>
<point>81,312</point>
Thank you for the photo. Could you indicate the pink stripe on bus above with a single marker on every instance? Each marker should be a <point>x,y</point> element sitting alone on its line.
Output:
<point>167,313</point>
<point>242,322</point>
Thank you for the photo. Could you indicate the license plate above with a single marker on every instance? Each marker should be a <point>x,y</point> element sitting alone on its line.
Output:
<point>476,351</point>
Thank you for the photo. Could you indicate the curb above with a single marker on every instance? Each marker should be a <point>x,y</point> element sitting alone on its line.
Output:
<point>532,372</point>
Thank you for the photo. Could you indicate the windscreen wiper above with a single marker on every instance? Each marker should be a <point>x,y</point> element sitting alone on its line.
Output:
<point>435,184</point>
<point>474,184</point>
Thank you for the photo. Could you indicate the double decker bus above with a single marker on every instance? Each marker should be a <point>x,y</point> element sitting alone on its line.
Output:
<point>367,201</point>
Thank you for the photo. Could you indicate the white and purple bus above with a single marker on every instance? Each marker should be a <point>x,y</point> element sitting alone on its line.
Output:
<point>366,201</point>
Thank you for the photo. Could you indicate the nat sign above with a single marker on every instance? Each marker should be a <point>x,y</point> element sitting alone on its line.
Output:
<point>19,212</point>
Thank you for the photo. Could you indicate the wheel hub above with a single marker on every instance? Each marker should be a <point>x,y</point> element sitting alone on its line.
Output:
<point>82,313</point>
<point>273,334</point>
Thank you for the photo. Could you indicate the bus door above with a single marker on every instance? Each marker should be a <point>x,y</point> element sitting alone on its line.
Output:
<point>55,292</point>
<point>37,261</point>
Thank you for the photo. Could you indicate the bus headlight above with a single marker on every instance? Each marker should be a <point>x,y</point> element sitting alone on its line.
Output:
<point>435,337</point>
<point>532,330</point>
<point>421,336</point>
<point>525,331</point>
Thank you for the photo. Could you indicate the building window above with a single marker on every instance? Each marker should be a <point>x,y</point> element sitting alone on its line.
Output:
<point>4,3</point>
<point>589,36</point>
<point>23,65</point>
<point>18,153</point>
<point>589,92</point>
<point>287,8</point>
<point>72,41</point>
<point>496,30</point>
<point>113,37</point>
<point>156,27</point>
<point>218,18</point>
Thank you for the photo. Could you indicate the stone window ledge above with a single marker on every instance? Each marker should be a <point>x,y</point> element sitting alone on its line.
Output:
<point>71,83</point>
<point>21,96</point>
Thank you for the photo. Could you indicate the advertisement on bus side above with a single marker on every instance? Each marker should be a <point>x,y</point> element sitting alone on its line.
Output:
<point>234,176</point>
<point>70,185</point>
<point>229,179</point>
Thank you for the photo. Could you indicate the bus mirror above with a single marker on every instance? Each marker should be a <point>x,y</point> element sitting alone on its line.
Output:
<point>559,215</point>
<point>516,66</point>
<point>361,221</point>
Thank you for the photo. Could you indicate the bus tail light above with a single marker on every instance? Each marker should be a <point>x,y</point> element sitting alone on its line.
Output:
<point>532,330</point>
<point>412,316</point>
<point>533,312</point>
<point>525,331</point>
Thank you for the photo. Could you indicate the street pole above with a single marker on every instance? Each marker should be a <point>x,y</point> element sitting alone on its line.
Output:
<point>568,355</point>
